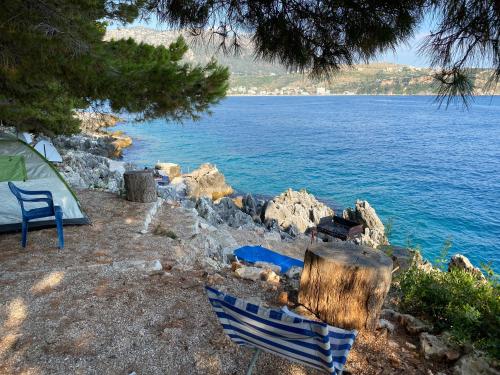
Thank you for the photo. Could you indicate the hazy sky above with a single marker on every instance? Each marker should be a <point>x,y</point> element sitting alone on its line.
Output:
<point>405,54</point>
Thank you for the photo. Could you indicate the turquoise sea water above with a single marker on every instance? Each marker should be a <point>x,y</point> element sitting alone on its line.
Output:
<point>434,172</point>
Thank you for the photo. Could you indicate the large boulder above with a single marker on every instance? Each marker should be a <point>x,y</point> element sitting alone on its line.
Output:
<point>297,208</point>
<point>231,214</point>
<point>83,170</point>
<point>249,205</point>
<point>374,230</point>
<point>206,210</point>
<point>96,145</point>
<point>207,181</point>
<point>461,262</point>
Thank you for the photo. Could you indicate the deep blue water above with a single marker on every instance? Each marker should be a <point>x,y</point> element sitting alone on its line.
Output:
<point>434,171</point>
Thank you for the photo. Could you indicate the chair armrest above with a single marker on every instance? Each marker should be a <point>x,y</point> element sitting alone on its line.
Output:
<point>47,193</point>
<point>49,201</point>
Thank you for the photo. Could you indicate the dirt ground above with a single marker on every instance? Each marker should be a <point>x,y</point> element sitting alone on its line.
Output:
<point>88,309</point>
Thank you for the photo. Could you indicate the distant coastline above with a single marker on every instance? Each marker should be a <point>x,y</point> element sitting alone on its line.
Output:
<point>330,95</point>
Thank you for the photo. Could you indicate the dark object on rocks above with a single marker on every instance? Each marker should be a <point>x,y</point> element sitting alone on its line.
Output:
<point>338,227</point>
<point>140,186</point>
<point>272,225</point>
<point>344,284</point>
<point>293,231</point>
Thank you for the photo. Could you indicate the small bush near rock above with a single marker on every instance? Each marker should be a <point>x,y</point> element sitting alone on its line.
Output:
<point>457,302</point>
<point>159,230</point>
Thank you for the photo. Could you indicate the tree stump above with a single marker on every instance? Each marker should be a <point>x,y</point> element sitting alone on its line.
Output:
<point>140,186</point>
<point>345,284</point>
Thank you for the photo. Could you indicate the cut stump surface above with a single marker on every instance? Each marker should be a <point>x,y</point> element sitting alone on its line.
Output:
<point>345,284</point>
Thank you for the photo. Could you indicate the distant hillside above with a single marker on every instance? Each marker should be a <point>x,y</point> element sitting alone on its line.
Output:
<point>256,77</point>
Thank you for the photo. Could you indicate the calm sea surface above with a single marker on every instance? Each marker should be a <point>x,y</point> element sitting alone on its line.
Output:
<point>435,173</point>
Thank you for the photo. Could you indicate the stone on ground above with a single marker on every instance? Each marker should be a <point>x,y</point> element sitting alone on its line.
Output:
<point>474,363</point>
<point>438,348</point>
<point>249,273</point>
<point>269,266</point>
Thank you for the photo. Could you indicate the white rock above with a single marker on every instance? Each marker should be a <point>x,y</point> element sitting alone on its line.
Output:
<point>294,272</point>
<point>297,208</point>
<point>270,276</point>
<point>409,345</point>
<point>474,363</point>
<point>414,325</point>
<point>267,265</point>
<point>154,267</point>
<point>437,348</point>
<point>84,170</point>
<point>461,262</point>
<point>249,273</point>
<point>374,230</point>
<point>206,181</point>
<point>211,263</point>
<point>385,324</point>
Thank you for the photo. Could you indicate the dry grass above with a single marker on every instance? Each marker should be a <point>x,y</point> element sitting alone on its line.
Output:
<point>160,230</point>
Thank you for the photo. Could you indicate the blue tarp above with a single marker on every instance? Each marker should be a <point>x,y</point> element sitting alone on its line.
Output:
<point>254,254</point>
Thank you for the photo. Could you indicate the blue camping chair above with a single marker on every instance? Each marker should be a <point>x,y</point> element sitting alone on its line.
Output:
<point>37,213</point>
<point>281,332</point>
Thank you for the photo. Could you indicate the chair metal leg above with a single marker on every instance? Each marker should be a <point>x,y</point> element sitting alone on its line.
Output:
<point>24,234</point>
<point>253,361</point>
<point>59,224</point>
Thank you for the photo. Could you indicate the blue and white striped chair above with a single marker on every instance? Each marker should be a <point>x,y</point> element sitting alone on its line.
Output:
<point>315,344</point>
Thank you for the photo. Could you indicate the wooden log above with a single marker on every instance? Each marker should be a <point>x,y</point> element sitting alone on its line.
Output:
<point>345,284</point>
<point>140,186</point>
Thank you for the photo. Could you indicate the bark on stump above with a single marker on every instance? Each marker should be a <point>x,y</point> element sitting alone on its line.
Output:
<point>345,284</point>
<point>140,186</point>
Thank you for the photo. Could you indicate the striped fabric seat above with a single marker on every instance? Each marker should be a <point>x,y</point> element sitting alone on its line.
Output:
<point>314,344</point>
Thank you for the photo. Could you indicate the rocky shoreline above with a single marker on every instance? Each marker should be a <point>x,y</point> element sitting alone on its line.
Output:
<point>90,162</point>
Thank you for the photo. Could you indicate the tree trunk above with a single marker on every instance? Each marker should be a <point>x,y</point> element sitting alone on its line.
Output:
<point>140,186</point>
<point>345,284</point>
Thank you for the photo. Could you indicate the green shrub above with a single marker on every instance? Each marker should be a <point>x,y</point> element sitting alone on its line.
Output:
<point>457,302</point>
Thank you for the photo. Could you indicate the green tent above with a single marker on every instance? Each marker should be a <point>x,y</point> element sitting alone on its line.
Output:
<point>29,170</point>
<point>12,168</point>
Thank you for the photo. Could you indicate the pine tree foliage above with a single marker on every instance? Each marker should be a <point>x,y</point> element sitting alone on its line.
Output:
<point>53,60</point>
<point>320,36</point>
